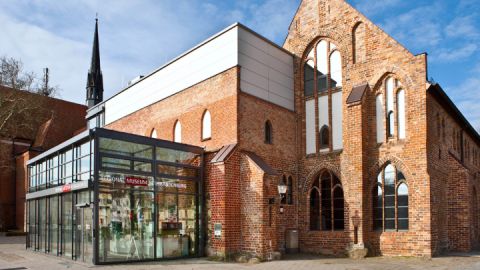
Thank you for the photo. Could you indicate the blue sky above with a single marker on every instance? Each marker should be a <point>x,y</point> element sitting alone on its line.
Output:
<point>138,36</point>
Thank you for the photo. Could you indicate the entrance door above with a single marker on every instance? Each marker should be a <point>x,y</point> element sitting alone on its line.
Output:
<point>83,234</point>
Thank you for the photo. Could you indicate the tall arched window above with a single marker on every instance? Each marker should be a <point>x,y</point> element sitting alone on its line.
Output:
<point>390,200</point>
<point>206,126</point>
<point>268,133</point>
<point>395,109</point>
<point>401,113</point>
<point>380,114</point>
<point>327,203</point>
<point>315,206</point>
<point>359,47</point>
<point>153,134</point>
<point>323,82</point>
<point>390,85</point>
<point>177,132</point>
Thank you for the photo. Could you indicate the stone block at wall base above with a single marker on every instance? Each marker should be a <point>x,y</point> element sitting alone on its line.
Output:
<point>357,252</point>
<point>274,256</point>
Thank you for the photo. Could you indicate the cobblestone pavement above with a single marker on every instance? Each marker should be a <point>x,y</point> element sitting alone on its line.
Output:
<point>14,256</point>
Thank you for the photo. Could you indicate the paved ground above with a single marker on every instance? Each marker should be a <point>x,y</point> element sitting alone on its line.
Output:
<point>14,256</point>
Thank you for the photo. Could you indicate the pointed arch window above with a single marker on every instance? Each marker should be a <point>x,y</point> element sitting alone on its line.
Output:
<point>206,126</point>
<point>390,200</point>
<point>153,134</point>
<point>327,203</point>
<point>379,122</point>
<point>323,80</point>
<point>395,107</point>
<point>268,132</point>
<point>177,132</point>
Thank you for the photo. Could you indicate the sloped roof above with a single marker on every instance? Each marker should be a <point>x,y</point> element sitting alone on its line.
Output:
<point>261,163</point>
<point>357,93</point>
<point>224,153</point>
<point>439,94</point>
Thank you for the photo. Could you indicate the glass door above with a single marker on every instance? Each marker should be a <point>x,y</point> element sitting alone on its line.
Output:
<point>83,234</point>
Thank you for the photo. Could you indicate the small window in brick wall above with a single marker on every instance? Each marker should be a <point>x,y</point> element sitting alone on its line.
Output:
<point>268,133</point>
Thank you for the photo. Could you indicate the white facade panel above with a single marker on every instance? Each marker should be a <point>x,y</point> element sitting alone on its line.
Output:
<point>310,127</point>
<point>269,62</point>
<point>279,100</point>
<point>337,121</point>
<point>213,57</point>
<point>323,112</point>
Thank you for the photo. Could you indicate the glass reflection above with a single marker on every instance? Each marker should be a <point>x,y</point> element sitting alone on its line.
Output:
<point>176,225</point>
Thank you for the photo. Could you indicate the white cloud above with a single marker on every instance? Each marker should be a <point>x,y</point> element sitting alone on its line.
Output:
<point>465,95</point>
<point>136,37</point>
<point>463,27</point>
<point>418,28</point>
<point>455,54</point>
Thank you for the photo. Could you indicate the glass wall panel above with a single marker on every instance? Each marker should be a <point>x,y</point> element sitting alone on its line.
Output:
<point>177,171</point>
<point>177,156</point>
<point>67,217</point>
<point>42,224</point>
<point>32,226</point>
<point>54,230</point>
<point>123,148</point>
<point>176,185</point>
<point>126,224</point>
<point>177,231</point>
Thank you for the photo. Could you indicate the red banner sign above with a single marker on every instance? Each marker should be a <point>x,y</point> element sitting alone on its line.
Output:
<point>136,181</point>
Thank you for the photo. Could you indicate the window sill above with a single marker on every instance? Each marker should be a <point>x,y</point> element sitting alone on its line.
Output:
<point>206,139</point>
<point>325,153</point>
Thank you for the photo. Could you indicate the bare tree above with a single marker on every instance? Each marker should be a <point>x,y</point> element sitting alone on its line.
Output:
<point>21,112</point>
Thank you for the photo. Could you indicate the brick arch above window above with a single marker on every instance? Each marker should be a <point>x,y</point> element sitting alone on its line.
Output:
<point>384,161</point>
<point>341,38</point>
<point>317,170</point>
<point>382,75</point>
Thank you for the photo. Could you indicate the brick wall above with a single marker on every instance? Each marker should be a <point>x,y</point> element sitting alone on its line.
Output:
<point>217,94</point>
<point>334,21</point>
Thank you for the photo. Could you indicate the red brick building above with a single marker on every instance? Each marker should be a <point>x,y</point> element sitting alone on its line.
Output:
<point>371,153</point>
<point>37,124</point>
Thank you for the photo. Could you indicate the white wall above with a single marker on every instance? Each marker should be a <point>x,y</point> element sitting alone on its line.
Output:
<point>266,71</point>
<point>310,126</point>
<point>337,120</point>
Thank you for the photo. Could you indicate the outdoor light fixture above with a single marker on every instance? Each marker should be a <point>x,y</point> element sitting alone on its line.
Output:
<point>282,189</point>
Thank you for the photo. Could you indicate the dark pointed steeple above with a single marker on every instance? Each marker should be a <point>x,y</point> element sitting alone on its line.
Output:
<point>95,78</point>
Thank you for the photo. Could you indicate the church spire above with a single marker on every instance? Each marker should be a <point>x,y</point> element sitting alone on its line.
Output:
<point>95,78</point>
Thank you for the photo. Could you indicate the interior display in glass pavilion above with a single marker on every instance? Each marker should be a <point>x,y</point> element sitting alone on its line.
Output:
<point>110,197</point>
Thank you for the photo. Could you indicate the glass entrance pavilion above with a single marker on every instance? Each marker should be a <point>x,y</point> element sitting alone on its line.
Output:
<point>110,197</point>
